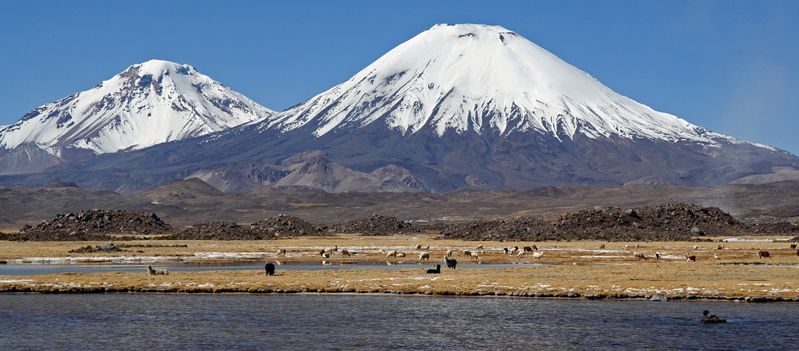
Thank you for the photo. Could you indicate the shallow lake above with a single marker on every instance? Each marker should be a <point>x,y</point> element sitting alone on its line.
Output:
<point>260,322</point>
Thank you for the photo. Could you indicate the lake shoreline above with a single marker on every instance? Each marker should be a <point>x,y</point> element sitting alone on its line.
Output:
<point>459,294</point>
<point>590,270</point>
<point>299,283</point>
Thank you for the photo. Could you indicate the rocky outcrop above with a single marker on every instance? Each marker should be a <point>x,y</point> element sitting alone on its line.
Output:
<point>271,228</point>
<point>668,222</point>
<point>285,226</point>
<point>217,231</point>
<point>376,225</point>
<point>516,229</point>
<point>95,225</point>
<point>107,248</point>
<point>675,221</point>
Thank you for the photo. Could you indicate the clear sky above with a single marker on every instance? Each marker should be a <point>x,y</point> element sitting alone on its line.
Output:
<point>731,66</point>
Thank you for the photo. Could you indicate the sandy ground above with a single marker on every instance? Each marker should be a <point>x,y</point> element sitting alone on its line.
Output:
<point>575,269</point>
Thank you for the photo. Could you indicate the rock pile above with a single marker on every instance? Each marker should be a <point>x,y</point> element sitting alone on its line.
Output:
<point>516,229</point>
<point>9,236</point>
<point>94,225</point>
<point>375,225</point>
<point>771,228</point>
<point>674,221</point>
<point>272,228</point>
<point>217,231</point>
<point>283,226</point>
<point>666,222</point>
<point>107,248</point>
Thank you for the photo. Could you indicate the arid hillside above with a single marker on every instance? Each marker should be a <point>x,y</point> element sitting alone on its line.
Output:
<point>184,203</point>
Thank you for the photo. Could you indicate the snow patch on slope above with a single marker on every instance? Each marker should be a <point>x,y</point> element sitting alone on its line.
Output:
<point>147,104</point>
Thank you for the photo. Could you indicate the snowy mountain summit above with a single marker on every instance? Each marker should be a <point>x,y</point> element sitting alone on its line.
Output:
<point>471,78</point>
<point>456,106</point>
<point>147,104</point>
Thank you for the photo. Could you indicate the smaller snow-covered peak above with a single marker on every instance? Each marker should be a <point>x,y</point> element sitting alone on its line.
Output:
<point>147,104</point>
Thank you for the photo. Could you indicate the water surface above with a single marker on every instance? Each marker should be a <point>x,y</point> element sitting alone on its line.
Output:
<point>261,322</point>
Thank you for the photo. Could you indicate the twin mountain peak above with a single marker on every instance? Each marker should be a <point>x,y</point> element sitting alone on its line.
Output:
<point>455,106</point>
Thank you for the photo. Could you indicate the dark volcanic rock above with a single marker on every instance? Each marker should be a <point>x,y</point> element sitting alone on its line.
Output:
<point>218,231</point>
<point>516,229</point>
<point>110,247</point>
<point>8,236</point>
<point>94,225</point>
<point>664,222</point>
<point>272,228</point>
<point>282,225</point>
<point>777,227</point>
<point>675,221</point>
<point>376,225</point>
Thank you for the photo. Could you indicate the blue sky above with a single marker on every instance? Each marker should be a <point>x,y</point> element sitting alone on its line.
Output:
<point>731,66</point>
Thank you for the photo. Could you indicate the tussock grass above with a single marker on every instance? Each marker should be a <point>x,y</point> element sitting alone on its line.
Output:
<point>576,269</point>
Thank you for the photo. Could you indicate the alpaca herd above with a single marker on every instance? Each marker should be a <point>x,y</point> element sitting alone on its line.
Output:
<point>476,254</point>
<point>423,252</point>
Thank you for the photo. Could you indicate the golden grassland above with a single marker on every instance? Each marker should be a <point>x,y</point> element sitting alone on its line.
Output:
<point>571,269</point>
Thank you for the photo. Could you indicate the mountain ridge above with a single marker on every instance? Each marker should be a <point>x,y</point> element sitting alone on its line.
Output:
<point>457,106</point>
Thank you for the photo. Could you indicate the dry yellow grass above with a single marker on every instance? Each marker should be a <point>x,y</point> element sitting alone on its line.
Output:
<point>577,269</point>
<point>366,248</point>
<point>682,280</point>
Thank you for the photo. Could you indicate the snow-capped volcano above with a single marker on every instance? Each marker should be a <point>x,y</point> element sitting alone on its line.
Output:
<point>478,78</point>
<point>147,104</point>
<point>456,106</point>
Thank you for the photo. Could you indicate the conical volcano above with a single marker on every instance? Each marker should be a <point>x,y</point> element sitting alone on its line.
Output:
<point>482,79</point>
